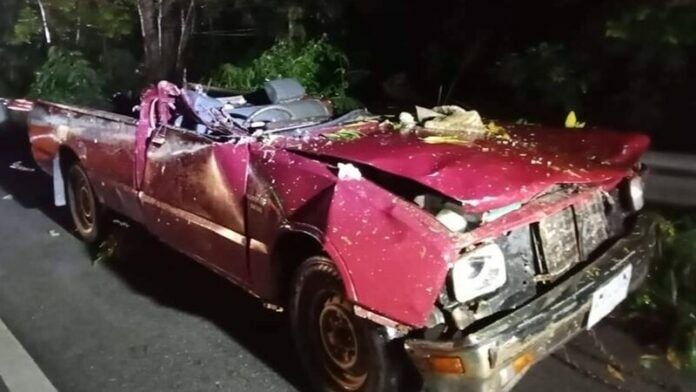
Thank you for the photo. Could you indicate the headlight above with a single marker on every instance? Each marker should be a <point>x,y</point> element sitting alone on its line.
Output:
<point>479,272</point>
<point>636,192</point>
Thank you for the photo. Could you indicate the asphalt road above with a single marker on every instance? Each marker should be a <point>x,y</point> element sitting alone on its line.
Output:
<point>152,320</point>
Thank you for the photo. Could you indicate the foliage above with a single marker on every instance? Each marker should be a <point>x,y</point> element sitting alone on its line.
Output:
<point>344,134</point>
<point>650,25</point>
<point>318,65</point>
<point>669,294</point>
<point>119,68</point>
<point>68,77</point>
<point>71,21</point>
<point>544,74</point>
<point>96,28</point>
<point>27,28</point>
<point>630,65</point>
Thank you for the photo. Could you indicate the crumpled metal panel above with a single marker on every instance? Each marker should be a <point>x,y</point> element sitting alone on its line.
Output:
<point>490,173</point>
<point>393,256</point>
<point>396,254</point>
<point>193,199</point>
<point>156,108</point>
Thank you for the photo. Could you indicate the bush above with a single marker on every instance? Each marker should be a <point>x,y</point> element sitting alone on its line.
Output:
<point>68,77</point>
<point>669,294</point>
<point>318,65</point>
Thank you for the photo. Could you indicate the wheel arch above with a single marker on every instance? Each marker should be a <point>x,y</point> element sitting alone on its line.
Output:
<point>67,158</point>
<point>294,245</point>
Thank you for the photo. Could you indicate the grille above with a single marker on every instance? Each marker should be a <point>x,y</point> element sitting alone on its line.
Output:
<point>569,236</point>
<point>592,225</point>
<point>559,245</point>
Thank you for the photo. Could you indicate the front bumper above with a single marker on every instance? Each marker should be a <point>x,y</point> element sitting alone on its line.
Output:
<point>494,358</point>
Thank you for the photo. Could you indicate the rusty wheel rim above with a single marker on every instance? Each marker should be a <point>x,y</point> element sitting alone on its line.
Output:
<point>84,207</point>
<point>341,345</point>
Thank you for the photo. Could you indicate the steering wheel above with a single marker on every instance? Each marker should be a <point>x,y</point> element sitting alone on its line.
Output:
<point>247,123</point>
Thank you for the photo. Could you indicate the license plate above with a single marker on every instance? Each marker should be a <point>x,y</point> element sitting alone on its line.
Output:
<point>609,296</point>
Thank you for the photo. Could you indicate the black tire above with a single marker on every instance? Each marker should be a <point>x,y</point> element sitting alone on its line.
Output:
<point>340,352</point>
<point>85,209</point>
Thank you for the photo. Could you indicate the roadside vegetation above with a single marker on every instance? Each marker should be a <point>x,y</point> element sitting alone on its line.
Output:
<point>68,77</point>
<point>318,65</point>
<point>626,64</point>
<point>665,306</point>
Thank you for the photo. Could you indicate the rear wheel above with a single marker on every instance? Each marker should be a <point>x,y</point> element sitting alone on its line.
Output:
<point>340,351</point>
<point>84,207</point>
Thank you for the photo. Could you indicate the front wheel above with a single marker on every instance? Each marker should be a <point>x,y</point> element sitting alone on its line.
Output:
<point>85,209</point>
<point>340,351</point>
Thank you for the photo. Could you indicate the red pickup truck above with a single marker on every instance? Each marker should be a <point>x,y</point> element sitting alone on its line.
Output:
<point>461,257</point>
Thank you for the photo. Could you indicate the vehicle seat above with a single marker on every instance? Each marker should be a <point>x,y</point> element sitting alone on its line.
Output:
<point>284,90</point>
<point>301,110</point>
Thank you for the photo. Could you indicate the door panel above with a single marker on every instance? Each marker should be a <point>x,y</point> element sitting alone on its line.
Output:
<point>194,200</point>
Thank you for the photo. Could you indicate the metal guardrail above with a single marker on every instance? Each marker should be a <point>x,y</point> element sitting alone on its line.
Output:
<point>4,115</point>
<point>672,179</point>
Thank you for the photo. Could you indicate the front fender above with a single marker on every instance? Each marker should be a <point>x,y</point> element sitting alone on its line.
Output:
<point>393,257</point>
<point>395,254</point>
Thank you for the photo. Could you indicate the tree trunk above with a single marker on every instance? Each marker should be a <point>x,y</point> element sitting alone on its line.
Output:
<point>44,21</point>
<point>166,27</point>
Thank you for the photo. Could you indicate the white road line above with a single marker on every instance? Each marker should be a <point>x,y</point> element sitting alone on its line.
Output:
<point>18,370</point>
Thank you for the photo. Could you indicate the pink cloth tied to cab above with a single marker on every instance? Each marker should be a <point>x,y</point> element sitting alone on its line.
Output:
<point>156,109</point>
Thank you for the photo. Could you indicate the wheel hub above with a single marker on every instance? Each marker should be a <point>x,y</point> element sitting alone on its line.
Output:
<point>338,336</point>
<point>83,203</point>
<point>339,339</point>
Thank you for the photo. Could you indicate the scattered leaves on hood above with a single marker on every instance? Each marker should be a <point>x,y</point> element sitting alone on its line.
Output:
<point>572,121</point>
<point>344,134</point>
<point>497,130</point>
<point>446,140</point>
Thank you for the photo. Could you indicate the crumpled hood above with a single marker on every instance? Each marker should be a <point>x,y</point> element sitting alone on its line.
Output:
<point>491,173</point>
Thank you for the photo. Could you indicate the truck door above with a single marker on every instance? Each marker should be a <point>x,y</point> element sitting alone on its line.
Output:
<point>193,198</point>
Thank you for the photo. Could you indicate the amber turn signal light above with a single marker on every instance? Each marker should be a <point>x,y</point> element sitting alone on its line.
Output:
<point>523,362</point>
<point>446,365</point>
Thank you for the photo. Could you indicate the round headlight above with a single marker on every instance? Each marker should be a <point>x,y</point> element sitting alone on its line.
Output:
<point>636,190</point>
<point>479,272</point>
